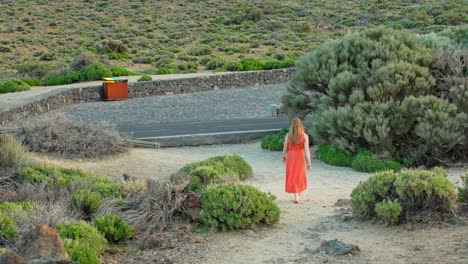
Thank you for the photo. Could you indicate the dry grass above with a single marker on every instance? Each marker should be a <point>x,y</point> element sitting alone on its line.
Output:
<point>71,138</point>
<point>12,153</point>
<point>156,209</point>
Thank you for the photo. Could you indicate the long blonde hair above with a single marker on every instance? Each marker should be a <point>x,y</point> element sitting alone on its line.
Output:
<point>296,131</point>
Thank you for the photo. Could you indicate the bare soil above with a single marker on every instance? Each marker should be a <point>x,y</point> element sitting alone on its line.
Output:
<point>302,227</point>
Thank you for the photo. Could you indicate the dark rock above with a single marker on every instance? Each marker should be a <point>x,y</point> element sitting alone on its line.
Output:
<point>192,206</point>
<point>42,244</point>
<point>343,202</point>
<point>336,247</point>
<point>456,221</point>
<point>10,257</point>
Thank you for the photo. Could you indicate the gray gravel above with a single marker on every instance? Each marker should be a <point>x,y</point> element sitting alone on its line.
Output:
<point>202,106</point>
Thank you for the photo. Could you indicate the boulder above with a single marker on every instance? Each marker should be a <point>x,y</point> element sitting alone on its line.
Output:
<point>42,244</point>
<point>336,247</point>
<point>10,257</point>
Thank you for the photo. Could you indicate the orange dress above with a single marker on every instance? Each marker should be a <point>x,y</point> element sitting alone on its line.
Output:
<point>296,180</point>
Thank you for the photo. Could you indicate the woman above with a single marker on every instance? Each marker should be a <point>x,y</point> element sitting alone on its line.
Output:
<point>295,143</point>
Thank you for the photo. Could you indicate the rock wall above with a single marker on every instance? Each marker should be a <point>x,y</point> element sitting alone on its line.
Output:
<point>59,99</point>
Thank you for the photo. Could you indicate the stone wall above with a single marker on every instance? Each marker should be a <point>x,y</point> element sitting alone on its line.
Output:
<point>60,98</point>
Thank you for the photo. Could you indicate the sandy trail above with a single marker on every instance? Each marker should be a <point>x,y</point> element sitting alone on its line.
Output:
<point>302,227</point>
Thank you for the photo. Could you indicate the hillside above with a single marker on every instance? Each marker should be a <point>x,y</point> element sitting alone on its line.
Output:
<point>42,37</point>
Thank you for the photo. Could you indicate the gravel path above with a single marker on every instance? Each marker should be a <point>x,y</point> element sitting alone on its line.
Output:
<point>202,106</point>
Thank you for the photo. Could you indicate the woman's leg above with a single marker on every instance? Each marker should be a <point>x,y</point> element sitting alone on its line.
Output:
<point>296,197</point>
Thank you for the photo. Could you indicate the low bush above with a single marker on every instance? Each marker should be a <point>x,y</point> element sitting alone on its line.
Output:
<point>145,78</point>
<point>31,81</point>
<point>274,142</point>
<point>113,227</point>
<point>251,64</point>
<point>333,156</point>
<point>11,85</point>
<point>82,241</point>
<point>86,201</point>
<point>463,189</point>
<point>95,71</point>
<point>215,63</point>
<point>9,213</point>
<point>165,70</point>
<point>232,66</point>
<point>365,163</point>
<point>120,71</point>
<point>48,176</point>
<point>219,169</point>
<point>200,50</point>
<point>71,138</point>
<point>12,153</point>
<point>234,206</point>
<point>70,77</point>
<point>405,196</point>
<point>82,61</point>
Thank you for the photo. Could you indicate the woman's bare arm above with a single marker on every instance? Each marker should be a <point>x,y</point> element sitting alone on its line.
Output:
<point>307,151</point>
<point>285,148</point>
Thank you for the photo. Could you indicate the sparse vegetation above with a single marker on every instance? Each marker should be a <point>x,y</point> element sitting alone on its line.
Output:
<point>145,78</point>
<point>85,33</point>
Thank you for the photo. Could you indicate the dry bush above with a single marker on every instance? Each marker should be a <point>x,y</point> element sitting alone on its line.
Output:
<point>12,153</point>
<point>449,69</point>
<point>155,209</point>
<point>71,138</point>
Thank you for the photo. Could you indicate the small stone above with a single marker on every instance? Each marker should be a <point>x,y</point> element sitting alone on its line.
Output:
<point>456,221</point>
<point>198,239</point>
<point>336,247</point>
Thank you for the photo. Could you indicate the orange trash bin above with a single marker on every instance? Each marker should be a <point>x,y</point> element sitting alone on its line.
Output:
<point>115,88</point>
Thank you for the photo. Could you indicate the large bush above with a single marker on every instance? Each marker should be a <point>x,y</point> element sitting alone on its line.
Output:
<point>11,85</point>
<point>233,206</point>
<point>375,90</point>
<point>366,163</point>
<point>336,157</point>
<point>83,242</point>
<point>403,197</point>
<point>71,138</point>
<point>219,169</point>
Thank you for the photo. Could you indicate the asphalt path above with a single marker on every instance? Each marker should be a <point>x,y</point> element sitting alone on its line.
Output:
<point>174,129</point>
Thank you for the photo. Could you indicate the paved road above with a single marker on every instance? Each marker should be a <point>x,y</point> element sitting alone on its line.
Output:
<point>162,130</point>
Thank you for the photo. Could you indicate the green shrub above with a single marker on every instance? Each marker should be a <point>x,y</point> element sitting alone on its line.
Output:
<point>232,66</point>
<point>12,153</point>
<point>8,226</point>
<point>215,63</point>
<point>417,192</point>
<point>113,227</point>
<point>365,163</point>
<point>31,81</point>
<point>118,55</point>
<point>120,71</point>
<point>82,241</point>
<point>200,50</point>
<point>274,142</point>
<point>95,71</point>
<point>11,85</point>
<point>3,251</point>
<point>333,156</point>
<point>165,70</point>
<point>51,176</point>
<point>251,64</point>
<point>86,201</point>
<point>145,78</point>
<point>70,77</point>
<point>463,189</point>
<point>219,169</point>
<point>389,211</point>
<point>82,61</point>
<point>233,206</point>
<point>9,212</point>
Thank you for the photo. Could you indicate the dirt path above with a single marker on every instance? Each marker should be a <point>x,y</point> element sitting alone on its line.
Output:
<point>302,227</point>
